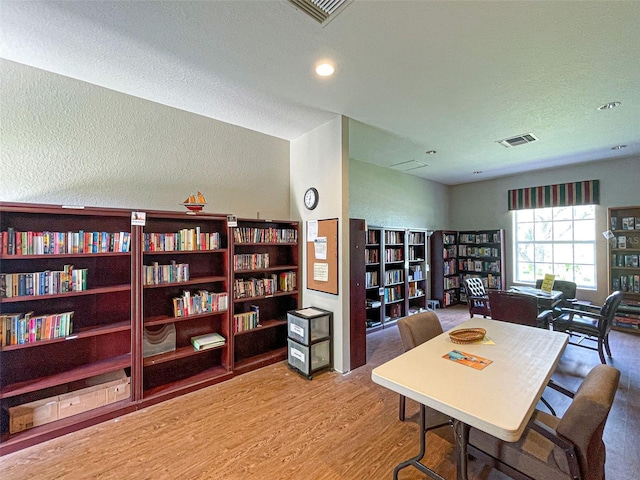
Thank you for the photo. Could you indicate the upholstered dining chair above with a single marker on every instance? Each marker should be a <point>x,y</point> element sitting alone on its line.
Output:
<point>590,323</point>
<point>552,448</point>
<point>518,308</point>
<point>477,299</point>
<point>415,330</point>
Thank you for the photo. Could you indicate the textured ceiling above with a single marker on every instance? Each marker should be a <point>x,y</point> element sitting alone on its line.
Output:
<point>451,76</point>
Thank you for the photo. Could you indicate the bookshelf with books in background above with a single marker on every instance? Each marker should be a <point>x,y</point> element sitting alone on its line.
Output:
<point>624,265</point>
<point>373,274</point>
<point>481,255</point>
<point>445,281</point>
<point>417,270</point>
<point>65,319</point>
<point>393,275</point>
<point>185,300</point>
<point>265,287</point>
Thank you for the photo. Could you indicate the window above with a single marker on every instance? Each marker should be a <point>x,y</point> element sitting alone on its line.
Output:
<point>558,240</point>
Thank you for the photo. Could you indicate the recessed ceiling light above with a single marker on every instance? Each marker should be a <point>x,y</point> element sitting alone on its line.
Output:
<point>325,69</point>
<point>608,106</point>
<point>618,147</point>
<point>430,152</point>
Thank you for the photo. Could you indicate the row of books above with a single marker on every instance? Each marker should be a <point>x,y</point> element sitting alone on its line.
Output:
<point>199,302</point>
<point>625,260</point>
<point>450,297</point>
<point>449,252</point>
<point>479,238</point>
<point>392,294</point>
<point>185,240</point>
<point>416,272</point>
<point>478,266</point>
<point>156,274</point>
<point>255,287</point>
<point>371,256</point>
<point>416,238</point>
<point>415,290</point>
<point>626,283</point>
<point>490,281</point>
<point>373,237</point>
<point>449,267</point>
<point>48,282</point>
<point>393,276</point>
<point>265,235</point>
<point>13,242</point>
<point>451,283</point>
<point>623,242</point>
<point>21,328</point>
<point>393,254</point>
<point>625,223</point>
<point>449,238</point>
<point>466,251</point>
<point>371,279</point>
<point>392,236</point>
<point>247,320</point>
<point>288,281</point>
<point>251,261</point>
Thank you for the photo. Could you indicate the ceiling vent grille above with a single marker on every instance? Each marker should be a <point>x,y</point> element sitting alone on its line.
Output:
<point>321,10</point>
<point>519,140</point>
<point>408,166</point>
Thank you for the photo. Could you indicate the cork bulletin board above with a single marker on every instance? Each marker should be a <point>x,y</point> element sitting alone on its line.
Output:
<point>322,255</point>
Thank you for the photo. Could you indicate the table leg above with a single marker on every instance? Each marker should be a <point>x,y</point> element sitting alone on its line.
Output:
<point>461,432</point>
<point>415,461</point>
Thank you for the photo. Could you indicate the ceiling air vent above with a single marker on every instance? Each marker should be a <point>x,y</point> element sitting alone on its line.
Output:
<point>408,166</point>
<point>321,10</point>
<point>519,140</point>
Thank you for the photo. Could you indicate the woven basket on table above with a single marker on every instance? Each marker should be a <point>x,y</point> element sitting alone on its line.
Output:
<point>467,335</point>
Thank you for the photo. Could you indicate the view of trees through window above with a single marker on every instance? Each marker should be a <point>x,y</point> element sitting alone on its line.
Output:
<point>558,240</point>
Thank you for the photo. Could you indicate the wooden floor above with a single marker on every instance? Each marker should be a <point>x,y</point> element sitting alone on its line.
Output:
<point>274,424</point>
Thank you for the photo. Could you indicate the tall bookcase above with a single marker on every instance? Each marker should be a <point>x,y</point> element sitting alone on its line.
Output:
<point>185,293</point>
<point>445,281</point>
<point>67,329</point>
<point>417,270</point>
<point>105,309</point>
<point>394,274</point>
<point>373,275</point>
<point>481,255</point>
<point>265,287</point>
<point>457,255</point>
<point>624,264</point>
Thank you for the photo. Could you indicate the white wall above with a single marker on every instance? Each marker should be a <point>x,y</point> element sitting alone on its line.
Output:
<point>388,198</point>
<point>483,205</point>
<point>320,159</point>
<point>69,142</point>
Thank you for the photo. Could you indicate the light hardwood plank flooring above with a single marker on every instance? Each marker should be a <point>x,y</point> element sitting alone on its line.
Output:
<point>275,424</point>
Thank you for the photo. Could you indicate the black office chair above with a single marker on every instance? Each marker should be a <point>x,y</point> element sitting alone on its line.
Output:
<point>568,290</point>
<point>590,323</point>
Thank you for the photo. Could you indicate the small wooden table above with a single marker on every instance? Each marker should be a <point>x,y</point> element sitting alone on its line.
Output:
<point>498,399</point>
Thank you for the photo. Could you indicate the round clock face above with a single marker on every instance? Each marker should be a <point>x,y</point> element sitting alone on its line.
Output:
<point>311,198</point>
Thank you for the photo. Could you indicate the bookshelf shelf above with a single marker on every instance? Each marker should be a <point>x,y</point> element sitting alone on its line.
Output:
<point>624,265</point>
<point>193,281</point>
<point>71,375</point>
<point>264,324</point>
<point>202,379</point>
<point>91,291</point>
<point>181,352</point>
<point>164,319</point>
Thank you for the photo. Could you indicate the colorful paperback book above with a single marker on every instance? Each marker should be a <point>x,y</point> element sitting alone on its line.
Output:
<point>468,359</point>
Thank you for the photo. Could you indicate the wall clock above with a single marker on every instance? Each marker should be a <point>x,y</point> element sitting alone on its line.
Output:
<point>311,198</point>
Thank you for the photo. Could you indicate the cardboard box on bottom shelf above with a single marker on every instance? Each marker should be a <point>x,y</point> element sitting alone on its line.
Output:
<point>98,392</point>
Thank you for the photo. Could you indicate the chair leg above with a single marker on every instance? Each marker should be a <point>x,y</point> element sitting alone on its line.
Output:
<point>401,408</point>
<point>606,345</point>
<point>600,352</point>
<point>548,405</point>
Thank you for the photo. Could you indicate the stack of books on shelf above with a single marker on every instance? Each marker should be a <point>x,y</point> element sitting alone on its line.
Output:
<point>393,276</point>
<point>13,242</point>
<point>200,302</point>
<point>156,274</point>
<point>371,256</point>
<point>255,287</point>
<point>416,272</point>
<point>209,340</point>
<point>185,240</point>
<point>371,279</point>
<point>265,235</point>
<point>288,281</point>
<point>393,255</point>
<point>48,282</point>
<point>626,283</point>
<point>21,328</point>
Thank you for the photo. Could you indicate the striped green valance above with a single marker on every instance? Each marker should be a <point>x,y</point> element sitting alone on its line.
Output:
<point>560,195</point>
